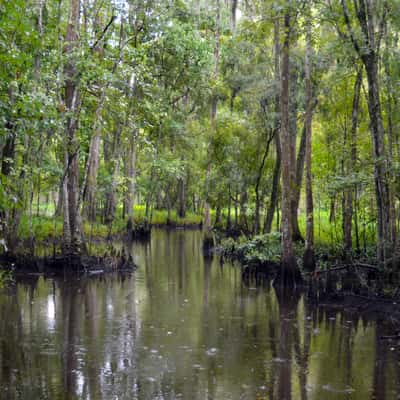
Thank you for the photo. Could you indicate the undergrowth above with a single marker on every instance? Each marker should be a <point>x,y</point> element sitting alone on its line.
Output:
<point>47,227</point>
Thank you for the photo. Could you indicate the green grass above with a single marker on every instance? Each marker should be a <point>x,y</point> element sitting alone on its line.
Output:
<point>327,234</point>
<point>49,227</point>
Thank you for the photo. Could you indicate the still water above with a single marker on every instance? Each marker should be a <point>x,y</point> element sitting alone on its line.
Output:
<point>185,327</point>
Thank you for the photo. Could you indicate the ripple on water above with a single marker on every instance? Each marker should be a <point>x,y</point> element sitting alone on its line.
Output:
<point>212,351</point>
<point>329,388</point>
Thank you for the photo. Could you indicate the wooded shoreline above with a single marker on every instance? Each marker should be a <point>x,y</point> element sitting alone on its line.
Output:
<point>274,119</point>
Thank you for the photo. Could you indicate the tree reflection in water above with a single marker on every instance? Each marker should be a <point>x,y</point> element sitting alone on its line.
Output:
<point>185,326</point>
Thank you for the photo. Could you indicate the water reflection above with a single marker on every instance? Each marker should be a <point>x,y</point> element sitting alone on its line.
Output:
<point>186,327</point>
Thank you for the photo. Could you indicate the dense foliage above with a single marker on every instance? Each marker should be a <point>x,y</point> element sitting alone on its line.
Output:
<point>180,106</point>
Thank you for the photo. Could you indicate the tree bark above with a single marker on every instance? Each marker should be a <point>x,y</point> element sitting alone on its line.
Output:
<point>368,50</point>
<point>131,176</point>
<point>297,236</point>
<point>73,241</point>
<point>181,196</point>
<point>111,196</point>
<point>349,191</point>
<point>89,198</point>
<point>277,167</point>
<point>289,273</point>
<point>309,258</point>
<point>234,4</point>
<point>256,227</point>
<point>208,240</point>
<point>294,168</point>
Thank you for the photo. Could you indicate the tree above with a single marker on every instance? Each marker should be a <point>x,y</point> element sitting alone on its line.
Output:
<point>289,274</point>
<point>309,257</point>
<point>367,46</point>
<point>72,235</point>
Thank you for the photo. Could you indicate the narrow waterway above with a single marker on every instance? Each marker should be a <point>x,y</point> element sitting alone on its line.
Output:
<point>185,327</point>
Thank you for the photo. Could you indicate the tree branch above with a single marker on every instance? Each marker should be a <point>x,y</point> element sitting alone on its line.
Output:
<point>113,18</point>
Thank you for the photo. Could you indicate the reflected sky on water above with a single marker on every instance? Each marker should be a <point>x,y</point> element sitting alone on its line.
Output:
<point>185,327</point>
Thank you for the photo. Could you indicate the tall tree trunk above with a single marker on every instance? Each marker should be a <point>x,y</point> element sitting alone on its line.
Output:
<point>309,258</point>
<point>208,239</point>
<point>243,210</point>
<point>256,226</point>
<point>111,196</point>
<point>234,4</point>
<point>301,155</point>
<point>236,211</point>
<point>89,198</point>
<point>277,168</point>
<point>93,161</point>
<point>367,49</point>
<point>273,202</point>
<point>295,169</point>
<point>289,273</point>
<point>181,196</point>
<point>73,241</point>
<point>391,144</point>
<point>381,184</point>
<point>131,176</point>
<point>229,217</point>
<point>351,162</point>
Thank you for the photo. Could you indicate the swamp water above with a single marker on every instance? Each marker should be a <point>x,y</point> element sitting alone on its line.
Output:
<point>185,327</point>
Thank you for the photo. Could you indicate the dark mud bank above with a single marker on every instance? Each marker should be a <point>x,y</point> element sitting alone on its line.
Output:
<point>61,264</point>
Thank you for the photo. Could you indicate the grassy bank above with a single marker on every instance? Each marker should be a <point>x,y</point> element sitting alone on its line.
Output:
<point>46,226</point>
<point>328,234</point>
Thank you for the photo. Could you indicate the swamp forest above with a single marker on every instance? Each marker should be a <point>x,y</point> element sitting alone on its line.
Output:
<point>199,199</point>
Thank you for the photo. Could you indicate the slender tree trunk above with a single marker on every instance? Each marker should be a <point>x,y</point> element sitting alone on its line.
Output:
<point>181,196</point>
<point>218,214</point>
<point>309,258</point>
<point>8,154</point>
<point>236,211</point>
<point>89,199</point>
<point>297,237</point>
<point>243,210</point>
<point>131,175</point>
<point>256,226</point>
<point>59,205</point>
<point>208,239</point>
<point>93,162</point>
<point>295,169</point>
<point>229,217</point>
<point>289,273</point>
<point>111,197</point>
<point>73,241</point>
<point>349,192</point>
<point>273,202</point>
<point>391,146</point>
<point>381,184</point>
<point>65,208</point>
<point>368,49</point>
<point>234,4</point>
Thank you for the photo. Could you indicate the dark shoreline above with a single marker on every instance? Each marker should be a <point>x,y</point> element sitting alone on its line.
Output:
<point>338,288</point>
